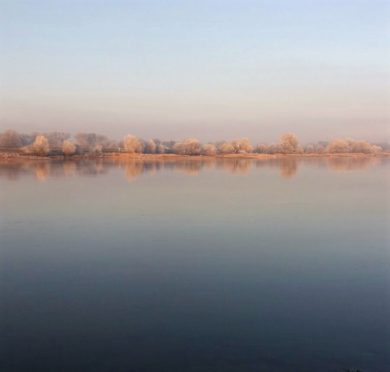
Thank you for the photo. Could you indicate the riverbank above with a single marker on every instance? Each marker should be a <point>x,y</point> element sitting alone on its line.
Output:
<point>14,155</point>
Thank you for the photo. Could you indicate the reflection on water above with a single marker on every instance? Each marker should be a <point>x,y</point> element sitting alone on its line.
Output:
<point>194,264</point>
<point>133,168</point>
<point>347,164</point>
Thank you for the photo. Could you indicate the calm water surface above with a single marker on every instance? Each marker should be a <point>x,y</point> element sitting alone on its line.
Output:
<point>272,265</point>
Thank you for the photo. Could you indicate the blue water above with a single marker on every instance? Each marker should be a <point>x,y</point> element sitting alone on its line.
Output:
<point>228,265</point>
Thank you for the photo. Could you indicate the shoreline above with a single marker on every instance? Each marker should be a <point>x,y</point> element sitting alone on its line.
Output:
<point>123,156</point>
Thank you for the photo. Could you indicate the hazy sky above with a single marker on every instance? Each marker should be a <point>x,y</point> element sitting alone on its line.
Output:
<point>210,69</point>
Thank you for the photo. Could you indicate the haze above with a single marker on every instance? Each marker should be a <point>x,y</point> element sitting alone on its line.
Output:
<point>209,69</point>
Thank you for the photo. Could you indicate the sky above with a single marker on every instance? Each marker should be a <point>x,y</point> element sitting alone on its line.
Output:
<point>207,69</point>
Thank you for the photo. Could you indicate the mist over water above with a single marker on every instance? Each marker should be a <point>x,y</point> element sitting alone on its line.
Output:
<point>195,265</point>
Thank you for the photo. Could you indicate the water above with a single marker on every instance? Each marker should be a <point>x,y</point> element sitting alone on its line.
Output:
<point>230,265</point>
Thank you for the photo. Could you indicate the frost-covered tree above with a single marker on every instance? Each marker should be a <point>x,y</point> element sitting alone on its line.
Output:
<point>341,145</point>
<point>40,145</point>
<point>150,147</point>
<point>10,139</point>
<point>338,145</point>
<point>91,141</point>
<point>242,145</point>
<point>226,148</point>
<point>189,146</point>
<point>68,147</point>
<point>132,144</point>
<point>209,149</point>
<point>289,143</point>
<point>56,139</point>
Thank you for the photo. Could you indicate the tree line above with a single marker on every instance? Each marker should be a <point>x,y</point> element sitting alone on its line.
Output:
<point>61,143</point>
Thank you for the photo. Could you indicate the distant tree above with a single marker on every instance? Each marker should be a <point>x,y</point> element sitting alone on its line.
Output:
<point>189,146</point>
<point>132,144</point>
<point>150,147</point>
<point>68,148</point>
<point>226,148</point>
<point>314,148</point>
<point>237,146</point>
<point>209,149</point>
<point>97,149</point>
<point>261,149</point>
<point>161,149</point>
<point>56,139</point>
<point>168,147</point>
<point>363,147</point>
<point>27,139</point>
<point>275,149</point>
<point>338,146</point>
<point>40,145</point>
<point>376,149</point>
<point>11,139</point>
<point>242,145</point>
<point>85,140</point>
<point>289,143</point>
<point>351,146</point>
<point>309,149</point>
<point>91,142</point>
<point>384,146</point>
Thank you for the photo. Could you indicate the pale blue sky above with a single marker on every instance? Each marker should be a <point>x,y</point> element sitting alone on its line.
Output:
<point>210,69</point>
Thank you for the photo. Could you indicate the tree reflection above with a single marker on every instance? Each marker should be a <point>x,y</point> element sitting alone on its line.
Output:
<point>69,168</point>
<point>342,164</point>
<point>134,168</point>
<point>288,167</point>
<point>42,171</point>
